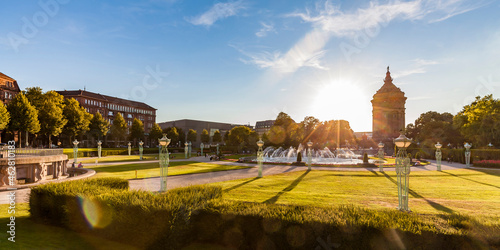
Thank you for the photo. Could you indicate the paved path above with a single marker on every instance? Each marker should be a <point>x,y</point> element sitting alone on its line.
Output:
<point>153,184</point>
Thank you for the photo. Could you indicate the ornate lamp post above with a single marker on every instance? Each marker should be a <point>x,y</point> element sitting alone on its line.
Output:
<point>217,149</point>
<point>309,155</point>
<point>75,151</point>
<point>129,149</point>
<point>164,160</point>
<point>186,150</point>
<point>403,171</point>
<point>140,149</point>
<point>381,156</point>
<point>201,146</point>
<point>438,155</point>
<point>99,148</point>
<point>260,157</point>
<point>190,144</point>
<point>467,147</point>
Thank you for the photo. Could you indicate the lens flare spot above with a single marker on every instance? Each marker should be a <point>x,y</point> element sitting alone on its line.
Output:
<point>96,213</point>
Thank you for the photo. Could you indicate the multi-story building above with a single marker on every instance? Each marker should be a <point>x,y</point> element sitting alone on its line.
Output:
<point>109,107</point>
<point>199,126</point>
<point>261,127</point>
<point>8,88</point>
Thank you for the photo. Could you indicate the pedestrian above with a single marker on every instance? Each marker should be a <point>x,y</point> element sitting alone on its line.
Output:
<point>80,165</point>
<point>73,165</point>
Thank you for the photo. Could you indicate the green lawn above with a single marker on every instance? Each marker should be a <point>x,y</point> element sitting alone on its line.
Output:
<point>470,192</point>
<point>31,235</point>
<point>147,170</point>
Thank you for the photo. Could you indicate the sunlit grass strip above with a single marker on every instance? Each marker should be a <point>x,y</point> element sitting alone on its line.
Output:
<point>122,158</point>
<point>467,192</point>
<point>148,170</point>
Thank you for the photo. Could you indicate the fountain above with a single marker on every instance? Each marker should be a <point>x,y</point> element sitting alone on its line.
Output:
<point>323,156</point>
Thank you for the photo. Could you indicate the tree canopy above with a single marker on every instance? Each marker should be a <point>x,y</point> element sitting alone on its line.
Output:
<point>4,116</point>
<point>172,134</point>
<point>205,137</point>
<point>119,128</point>
<point>192,135</point>
<point>479,122</point>
<point>217,137</point>
<point>98,126</point>
<point>432,127</point>
<point>50,108</point>
<point>23,116</point>
<point>78,118</point>
<point>137,130</point>
<point>155,133</point>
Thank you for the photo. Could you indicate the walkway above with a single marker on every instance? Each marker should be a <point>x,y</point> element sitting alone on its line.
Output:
<point>153,184</point>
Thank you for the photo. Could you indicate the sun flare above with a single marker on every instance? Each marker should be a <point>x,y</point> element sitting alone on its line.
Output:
<point>341,100</point>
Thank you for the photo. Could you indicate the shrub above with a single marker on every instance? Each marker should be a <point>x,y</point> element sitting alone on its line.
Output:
<point>299,157</point>
<point>365,158</point>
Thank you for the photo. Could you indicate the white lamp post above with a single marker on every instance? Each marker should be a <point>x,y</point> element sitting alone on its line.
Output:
<point>201,146</point>
<point>260,157</point>
<point>99,148</point>
<point>217,149</point>
<point>186,150</point>
<point>164,161</point>
<point>438,155</point>
<point>309,155</point>
<point>75,151</point>
<point>190,145</point>
<point>403,171</point>
<point>467,147</point>
<point>129,149</point>
<point>381,156</point>
<point>140,149</point>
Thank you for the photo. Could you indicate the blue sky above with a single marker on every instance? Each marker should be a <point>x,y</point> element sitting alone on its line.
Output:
<point>244,61</point>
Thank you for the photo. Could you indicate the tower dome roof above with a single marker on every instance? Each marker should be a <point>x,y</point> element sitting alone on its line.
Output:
<point>389,87</point>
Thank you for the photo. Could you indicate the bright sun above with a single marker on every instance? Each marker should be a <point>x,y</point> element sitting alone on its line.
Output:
<point>341,100</point>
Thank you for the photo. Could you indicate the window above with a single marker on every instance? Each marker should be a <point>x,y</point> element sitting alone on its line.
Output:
<point>129,116</point>
<point>110,113</point>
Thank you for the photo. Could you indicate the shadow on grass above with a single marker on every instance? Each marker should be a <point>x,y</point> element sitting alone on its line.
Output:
<point>241,184</point>
<point>482,183</point>
<point>287,189</point>
<point>435,205</point>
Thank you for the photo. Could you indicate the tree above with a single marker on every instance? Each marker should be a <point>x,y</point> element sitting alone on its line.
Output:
<point>432,127</point>
<point>217,137</point>
<point>172,134</point>
<point>78,119</point>
<point>119,128</point>
<point>309,125</point>
<point>192,135</point>
<point>284,131</point>
<point>23,116</point>
<point>4,116</point>
<point>239,135</point>
<point>50,111</point>
<point>155,133</point>
<point>137,130</point>
<point>205,137</point>
<point>98,126</point>
<point>182,135</point>
<point>479,122</point>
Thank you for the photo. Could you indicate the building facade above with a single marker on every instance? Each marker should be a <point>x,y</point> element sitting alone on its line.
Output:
<point>261,127</point>
<point>199,126</point>
<point>8,88</point>
<point>109,107</point>
<point>388,111</point>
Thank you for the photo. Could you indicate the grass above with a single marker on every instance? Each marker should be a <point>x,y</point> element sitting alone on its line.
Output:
<point>31,235</point>
<point>147,170</point>
<point>469,192</point>
<point>125,158</point>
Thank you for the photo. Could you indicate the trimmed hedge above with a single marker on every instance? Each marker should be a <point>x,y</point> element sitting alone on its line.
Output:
<point>197,214</point>
<point>458,155</point>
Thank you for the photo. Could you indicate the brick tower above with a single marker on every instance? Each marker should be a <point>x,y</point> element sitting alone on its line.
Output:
<point>388,111</point>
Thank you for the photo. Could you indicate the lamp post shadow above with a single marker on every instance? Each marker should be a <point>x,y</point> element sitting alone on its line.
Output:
<point>434,204</point>
<point>290,187</point>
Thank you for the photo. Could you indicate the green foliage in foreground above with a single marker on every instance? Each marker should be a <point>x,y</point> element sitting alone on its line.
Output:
<point>198,214</point>
<point>148,170</point>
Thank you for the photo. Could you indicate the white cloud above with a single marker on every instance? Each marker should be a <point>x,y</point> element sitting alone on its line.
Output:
<point>330,22</point>
<point>217,12</point>
<point>266,28</point>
